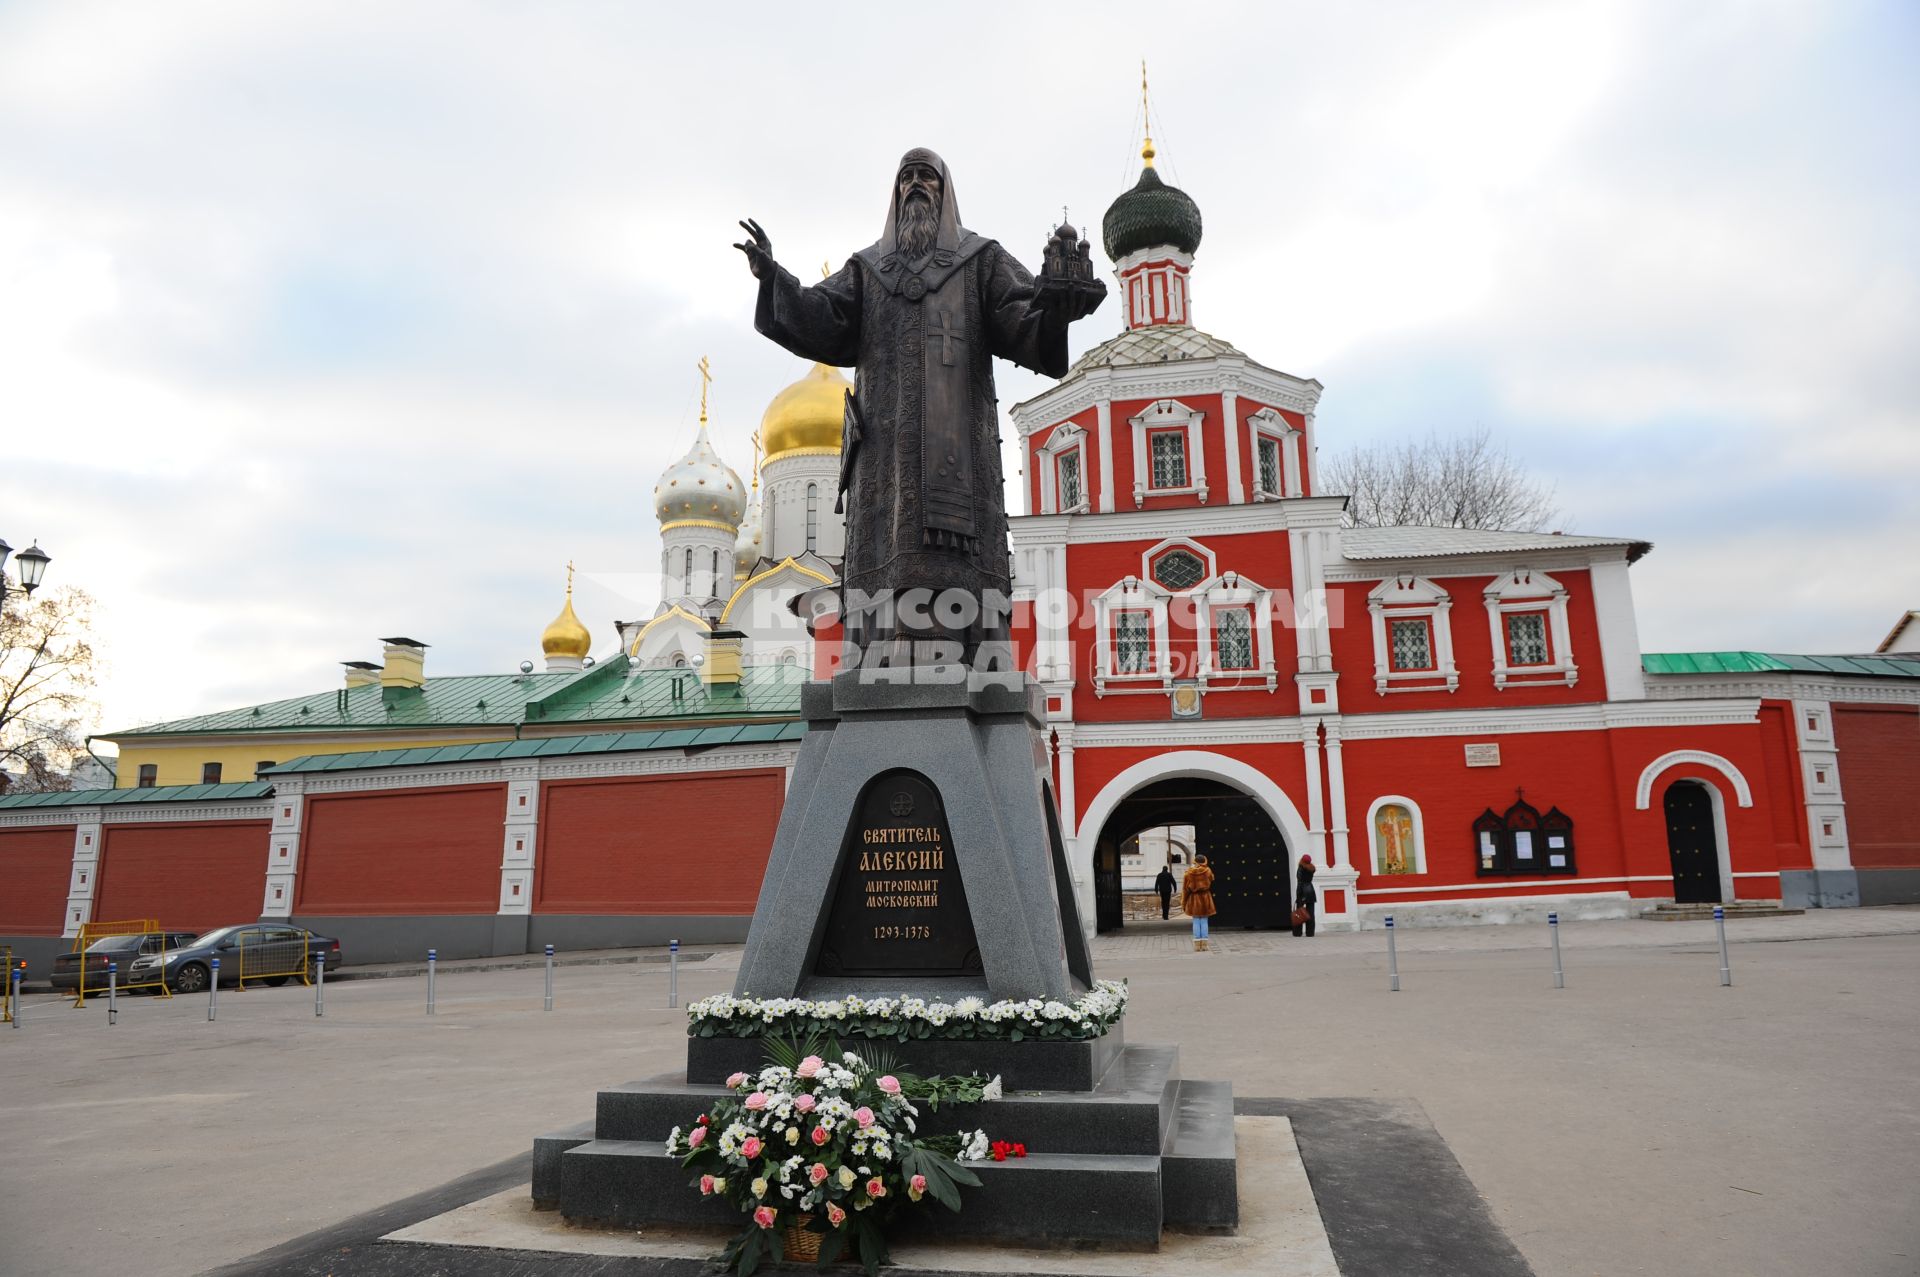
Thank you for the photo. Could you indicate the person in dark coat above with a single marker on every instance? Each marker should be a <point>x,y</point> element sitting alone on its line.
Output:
<point>1304,896</point>
<point>1164,885</point>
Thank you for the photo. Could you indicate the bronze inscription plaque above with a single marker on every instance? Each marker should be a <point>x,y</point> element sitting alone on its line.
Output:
<point>898,906</point>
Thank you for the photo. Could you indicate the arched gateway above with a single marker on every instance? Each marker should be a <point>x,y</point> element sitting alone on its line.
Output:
<point>1242,822</point>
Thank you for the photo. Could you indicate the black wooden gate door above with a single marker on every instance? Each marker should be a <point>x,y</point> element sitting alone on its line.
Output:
<point>1691,843</point>
<point>1252,882</point>
<point>1108,909</point>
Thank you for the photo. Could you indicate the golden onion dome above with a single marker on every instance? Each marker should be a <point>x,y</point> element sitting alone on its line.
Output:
<point>806,415</point>
<point>700,488</point>
<point>566,636</point>
<point>746,546</point>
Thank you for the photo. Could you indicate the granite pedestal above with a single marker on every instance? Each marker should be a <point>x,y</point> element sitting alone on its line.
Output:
<point>1122,1146</point>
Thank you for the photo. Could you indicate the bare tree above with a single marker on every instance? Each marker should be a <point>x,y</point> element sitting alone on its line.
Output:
<point>1462,481</point>
<point>46,674</point>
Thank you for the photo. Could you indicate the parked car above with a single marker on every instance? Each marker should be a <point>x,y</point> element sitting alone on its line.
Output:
<point>126,950</point>
<point>271,948</point>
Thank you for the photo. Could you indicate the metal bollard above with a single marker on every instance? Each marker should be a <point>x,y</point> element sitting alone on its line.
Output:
<point>1553,929</point>
<point>1726,968</point>
<point>433,957</point>
<point>320,987</point>
<point>213,992</point>
<point>673,973</point>
<point>549,977</point>
<point>1393,960</point>
<point>113,993</point>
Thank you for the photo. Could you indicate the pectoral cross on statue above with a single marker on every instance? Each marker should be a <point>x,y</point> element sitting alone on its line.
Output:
<point>944,332</point>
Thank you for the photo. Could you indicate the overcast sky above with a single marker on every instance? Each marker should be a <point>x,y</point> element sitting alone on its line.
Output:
<point>321,322</point>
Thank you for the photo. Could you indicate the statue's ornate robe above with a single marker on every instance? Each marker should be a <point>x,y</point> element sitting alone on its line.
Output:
<point>924,500</point>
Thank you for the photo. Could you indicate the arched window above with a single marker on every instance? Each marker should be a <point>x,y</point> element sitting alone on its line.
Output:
<point>686,579</point>
<point>716,572</point>
<point>813,515</point>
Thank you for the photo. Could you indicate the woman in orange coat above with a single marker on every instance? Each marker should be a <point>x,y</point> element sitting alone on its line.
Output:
<point>1196,899</point>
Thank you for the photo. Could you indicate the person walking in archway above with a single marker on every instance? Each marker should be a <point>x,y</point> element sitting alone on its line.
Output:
<point>1164,885</point>
<point>1306,900</point>
<point>1196,899</point>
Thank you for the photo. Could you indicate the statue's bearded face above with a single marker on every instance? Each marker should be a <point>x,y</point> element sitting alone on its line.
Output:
<point>919,222</point>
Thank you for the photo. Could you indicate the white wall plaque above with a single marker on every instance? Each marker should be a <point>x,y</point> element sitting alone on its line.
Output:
<point>1487,755</point>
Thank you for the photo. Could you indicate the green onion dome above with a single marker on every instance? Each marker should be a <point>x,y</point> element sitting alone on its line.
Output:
<point>1150,215</point>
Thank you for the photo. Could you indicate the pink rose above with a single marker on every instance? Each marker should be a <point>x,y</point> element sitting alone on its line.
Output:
<point>809,1066</point>
<point>835,1215</point>
<point>757,1101</point>
<point>804,1103</point>
<point>889,1084</point>
<point>696,1137</point>
<point>764,1216</point>
<point>916,1187</point>
<point>734,1082</point>
<point>820,1135</point>
<point>875,1188</point>
<point>818,1172</point>
<point>706,1186</point>
<point>751,1149</point>
<point>864,1116</point>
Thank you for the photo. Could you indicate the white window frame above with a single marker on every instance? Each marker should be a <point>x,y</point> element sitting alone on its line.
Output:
<point>1524,590</point>
<point>1165,414</point>
<point>1269,424</point>
<point>1373,835</point>
<point>1065,437</point>
<point>1410,598</point>
<point>1231,590</point>
<point>1130,594</point>
<point>1209,564</point>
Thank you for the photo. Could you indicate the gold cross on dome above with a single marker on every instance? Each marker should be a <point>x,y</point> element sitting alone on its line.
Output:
<point>706,379</point>
<point>757,445</point>
<point>569,578</point>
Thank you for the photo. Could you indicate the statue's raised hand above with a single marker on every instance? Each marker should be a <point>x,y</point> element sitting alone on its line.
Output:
<point>758,248</point>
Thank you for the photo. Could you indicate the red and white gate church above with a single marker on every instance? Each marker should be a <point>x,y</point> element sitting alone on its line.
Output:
<point>1453,725</point>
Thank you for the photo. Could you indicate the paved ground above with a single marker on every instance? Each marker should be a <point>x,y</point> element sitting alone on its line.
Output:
<point>1642,1120</point>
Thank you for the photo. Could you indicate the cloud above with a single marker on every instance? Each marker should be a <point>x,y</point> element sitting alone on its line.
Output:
<point>320,322</point>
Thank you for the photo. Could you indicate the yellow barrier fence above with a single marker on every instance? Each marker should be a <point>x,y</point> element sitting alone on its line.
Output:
<point>153,941</point>
<point>273,955</point>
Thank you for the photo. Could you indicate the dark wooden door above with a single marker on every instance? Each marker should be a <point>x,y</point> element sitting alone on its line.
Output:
<point>1692,845</point>
<point>1107,905</point>
<point>1252,881</point>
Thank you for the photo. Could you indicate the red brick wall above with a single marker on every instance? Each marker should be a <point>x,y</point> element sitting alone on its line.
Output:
<point>35,866</point>
<point>656,844</point>
<point>1879,777</point>
<point>416,851</point>
<point>194,877</point>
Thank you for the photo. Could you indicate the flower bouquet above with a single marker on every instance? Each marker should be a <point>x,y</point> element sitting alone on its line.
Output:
<point>820,1151</point>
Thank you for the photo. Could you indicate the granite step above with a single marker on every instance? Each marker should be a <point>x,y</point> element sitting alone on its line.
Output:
<point>546,1162</point>
<point>1670,912</point>
<point>1198,1163</point>
<point>1129,1112</point>
<point>1046,1199</point>
<point>1030,1065</point>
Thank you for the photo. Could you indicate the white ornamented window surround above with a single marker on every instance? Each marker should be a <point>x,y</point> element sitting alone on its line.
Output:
<point>1412,598</point>
<point>1231,591</point>
<point>1066,439</point>
<point>1130,595</point>
<point>1524,590</point>
<point>1154,553</point>
<point>1268,424</point>
<point>1164,414</point>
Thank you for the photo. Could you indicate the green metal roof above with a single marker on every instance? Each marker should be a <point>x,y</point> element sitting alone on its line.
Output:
<point>548,747</point>
<point>611,691</point>
<point>1777,663</point>
<point>615,693</point>
<point>460,700</point>
<point>155,794</point>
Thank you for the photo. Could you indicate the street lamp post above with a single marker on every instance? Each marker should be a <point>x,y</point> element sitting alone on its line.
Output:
<point>31,563</point>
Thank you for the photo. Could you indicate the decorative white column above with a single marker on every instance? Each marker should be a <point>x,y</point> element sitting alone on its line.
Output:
<point>1337,795</point>
<point>86,871</point>
<point>283,846</point>
<point>1068,822</point>
<point>1103,428</point>
<point>1230,413</point>
<point>522,827</point>
<point>1316,808</point>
